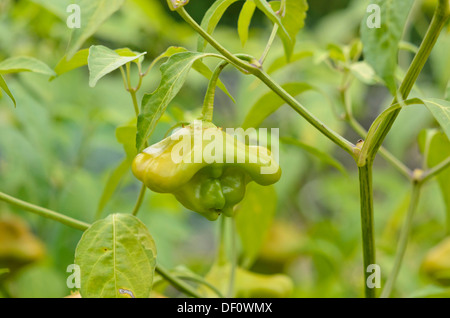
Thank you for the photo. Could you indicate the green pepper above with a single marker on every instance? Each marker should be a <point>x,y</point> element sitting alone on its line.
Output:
<point>206,169</point>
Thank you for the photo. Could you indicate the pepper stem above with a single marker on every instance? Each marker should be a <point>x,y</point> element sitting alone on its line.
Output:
<point>208,103</point>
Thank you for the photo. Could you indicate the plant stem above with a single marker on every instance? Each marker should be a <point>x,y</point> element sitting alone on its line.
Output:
<point>400,166</point>
<point>200,280</point>
<point>124,78</point>
<point>208,104</point>
<point>233,258</point>
<point>299,108</point>
<point>403,240</point>
<point>177,283</point>
<point>444,164</point>
<point>139,200</point>
<point>358,128</point>
<point>76,224</point>
<point>367,226</point>
<point>233,59</point>
<point>269,44</point>
<point>222,252</point>
<point>378,133</point>
<point>135,102</point>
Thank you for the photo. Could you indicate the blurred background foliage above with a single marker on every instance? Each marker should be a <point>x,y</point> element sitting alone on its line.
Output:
<point>58,147</point>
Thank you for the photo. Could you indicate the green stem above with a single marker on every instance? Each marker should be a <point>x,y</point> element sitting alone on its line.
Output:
<point>403,241</point>
<point>222,252</point>
<point>351,120</point>
<point>177,283</point>
<point>135,102</point>
<point>233,257</point>
<point>281,13</point>
<point>367,225</point>
<point>233,59</point>
<point>395,162</point>
<point>300,109</point>
<point>127,67</point>
<point>139,200</point>
<point>201,281</point>
<point>269,44</point>
<point>124,78</point>
<point>380,131</point>
<point>208,104</point>
<point>76,224</point>
<point>444,164</point>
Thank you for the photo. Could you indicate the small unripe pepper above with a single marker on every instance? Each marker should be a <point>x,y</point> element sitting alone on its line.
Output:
<point>205,168</point>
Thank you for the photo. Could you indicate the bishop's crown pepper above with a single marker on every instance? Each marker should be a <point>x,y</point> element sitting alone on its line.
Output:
<point>205,168</point>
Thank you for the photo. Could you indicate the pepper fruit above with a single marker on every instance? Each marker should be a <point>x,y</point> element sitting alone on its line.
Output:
<point>436,264</point>
<point>205,168</point>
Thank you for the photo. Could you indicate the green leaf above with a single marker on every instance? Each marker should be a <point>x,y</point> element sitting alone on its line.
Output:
<point>117,258</point>
<point>381,45</point>
<point>24,64</point>
<point>102,61</point>
<point>174,73</point>
<point>435,146</point>
<point>81,59</point>
<point>294,20</point>
<point>93,14</point>
<point>198,66</point>
<point>441,112</point>
<point>323,156</point>
<point>282,62</point>
<point>211,19</point>
<point>4,86</point>
<point>254,215</point>
<point>288,42</point>
<point>245,17</point>
<point>78,60</point>
<point>336,53</point>
<point>364,72</point>
<point>270,102</point>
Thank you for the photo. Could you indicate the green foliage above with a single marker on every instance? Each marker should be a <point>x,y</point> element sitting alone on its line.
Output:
<point>117,257</point>
<point>211,19</point>
<point>245,18</point>
<point>102,61</point>
<point>381,44</point>
<point>69,146</point>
